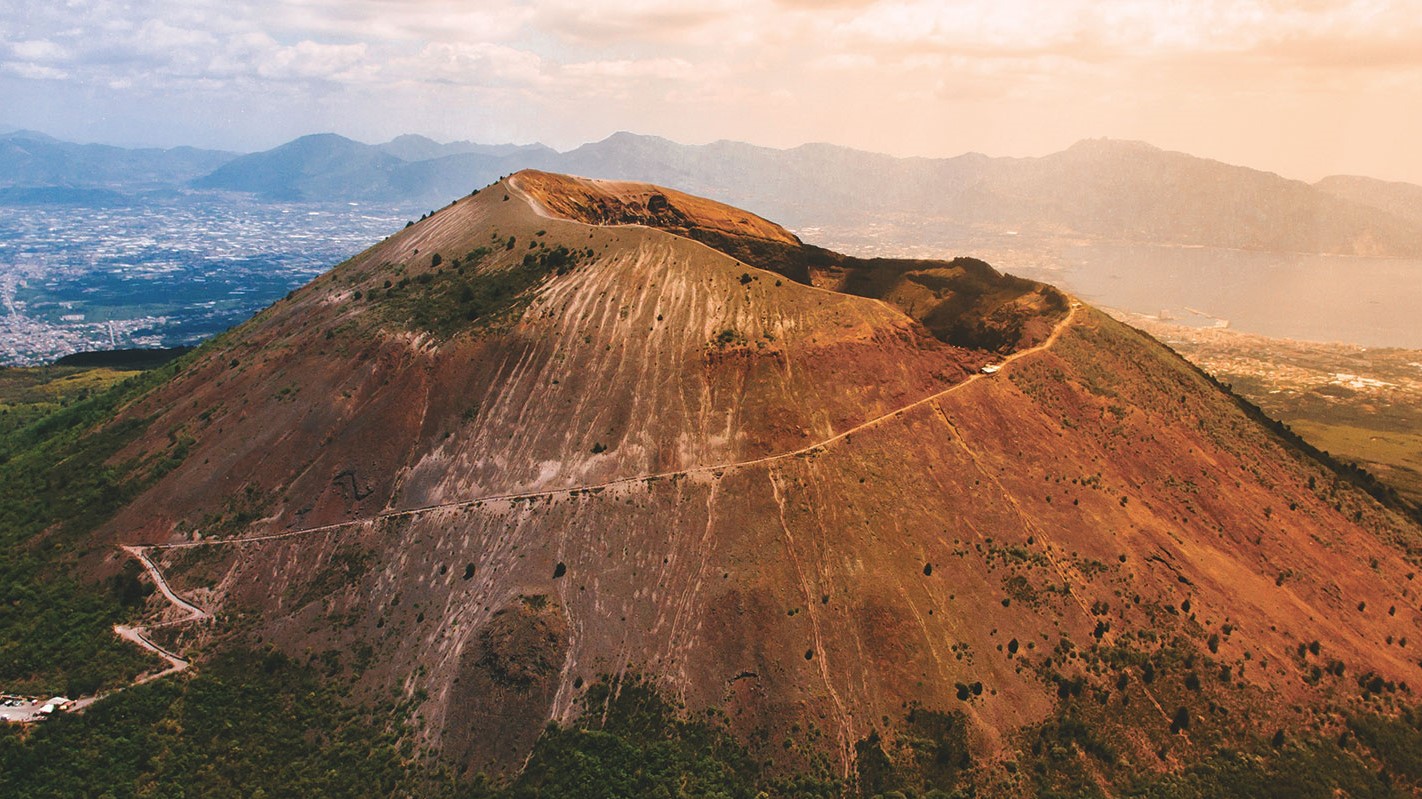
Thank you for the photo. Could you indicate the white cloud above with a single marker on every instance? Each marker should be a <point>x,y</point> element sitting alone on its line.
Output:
<point>620,21</point>
<point>34,71</point>
<point>308,60</point>
<point>675,69</point>
<point>157,36</point>
<point>36,50</point>
<point>897,75</point>
<point>472,64</point>
<point>397,21</point>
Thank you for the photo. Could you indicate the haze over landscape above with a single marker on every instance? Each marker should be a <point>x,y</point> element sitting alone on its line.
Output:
<point>1306,89</point>
<point>874,398</point>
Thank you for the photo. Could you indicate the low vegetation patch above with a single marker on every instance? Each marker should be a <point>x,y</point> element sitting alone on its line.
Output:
<point>33,392</point>
<point>631,742</point>
<point>249,724</point>
<point>56,484</point>
<point>471,293</point>
<point>256,723</point>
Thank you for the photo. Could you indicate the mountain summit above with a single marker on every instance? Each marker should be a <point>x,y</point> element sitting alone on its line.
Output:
<point>895,523</point>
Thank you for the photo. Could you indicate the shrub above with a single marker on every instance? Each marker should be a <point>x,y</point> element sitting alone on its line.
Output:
<point>1181,720</point>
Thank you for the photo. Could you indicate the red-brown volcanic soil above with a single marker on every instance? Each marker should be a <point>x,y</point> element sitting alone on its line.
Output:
<point>622,475</point>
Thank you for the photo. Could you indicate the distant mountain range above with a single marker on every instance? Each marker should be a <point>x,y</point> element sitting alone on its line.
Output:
<point>1101,188</point>
<point>1402,200</point>
<point>30,160</point>
<point>411,147</point>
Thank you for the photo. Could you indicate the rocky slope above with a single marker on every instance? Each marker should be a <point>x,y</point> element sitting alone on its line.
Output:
<point>554,436</point>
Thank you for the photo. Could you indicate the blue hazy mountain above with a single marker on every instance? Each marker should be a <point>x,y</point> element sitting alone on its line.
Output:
<point>35,160</point>
<point>1100,188</point>
<point>322,165</point>
<point>413,147</point>
<point>1403,200</point>
<point>330,167</point>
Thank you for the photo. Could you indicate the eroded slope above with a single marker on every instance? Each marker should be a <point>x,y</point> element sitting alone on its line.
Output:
<point>964,302</point>
<point>561,453</point>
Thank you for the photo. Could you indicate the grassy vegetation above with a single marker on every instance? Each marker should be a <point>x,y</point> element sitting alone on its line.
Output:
<point>1397,741</point>
<point>964,301</point>
<point>56,483</point>
<point>1375,431</point>
<point>56,636</point>
<point>248,724</point>
<point>466,293</point>
<point>1395,457</point>
<point>1314,770</point>
<point>1358,476</point>
<point>29,393</point>
<point>1069,758</point>
<point>643,748</point>
<point>634,743</point>
<point>930,758</point>
<point>256,723</point>
<point>1107,738</point>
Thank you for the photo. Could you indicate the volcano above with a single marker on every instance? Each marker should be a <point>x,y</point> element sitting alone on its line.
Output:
<point>567,436</point>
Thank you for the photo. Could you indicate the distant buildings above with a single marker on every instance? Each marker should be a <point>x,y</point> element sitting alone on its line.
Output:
<point>26,710</point>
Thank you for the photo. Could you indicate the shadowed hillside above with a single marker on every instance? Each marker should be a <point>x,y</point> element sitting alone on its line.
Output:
<point>963,302</point>
<point>1401,200</point>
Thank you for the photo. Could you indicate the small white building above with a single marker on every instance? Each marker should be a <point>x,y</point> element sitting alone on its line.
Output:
<point>54,704</point>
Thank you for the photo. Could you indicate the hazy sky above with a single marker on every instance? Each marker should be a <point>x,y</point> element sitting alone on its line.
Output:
<point>1301,87</point>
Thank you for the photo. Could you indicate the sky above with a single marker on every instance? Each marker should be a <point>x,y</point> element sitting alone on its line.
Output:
<point>1305,88</point>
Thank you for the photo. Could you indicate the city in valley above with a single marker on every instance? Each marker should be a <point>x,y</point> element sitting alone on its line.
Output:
<point>164,272</point>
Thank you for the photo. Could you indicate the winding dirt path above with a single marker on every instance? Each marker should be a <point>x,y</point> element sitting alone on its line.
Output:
<point>139,634</point>
<point>622,481</point>
<point>194,613</point>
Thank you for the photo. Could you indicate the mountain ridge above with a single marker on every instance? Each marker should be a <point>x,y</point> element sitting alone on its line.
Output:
<point>1105,188</point>
<point>29,159</point>
<point>1099,188</point>
<point>1403,200</point>
<point>778,488</point>
<point>413,147</point>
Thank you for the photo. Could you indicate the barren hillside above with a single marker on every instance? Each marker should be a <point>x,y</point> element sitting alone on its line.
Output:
<point>555,436</point>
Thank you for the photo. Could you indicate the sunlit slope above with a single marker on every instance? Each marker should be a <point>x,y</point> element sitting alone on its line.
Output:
<point>506,454</point>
